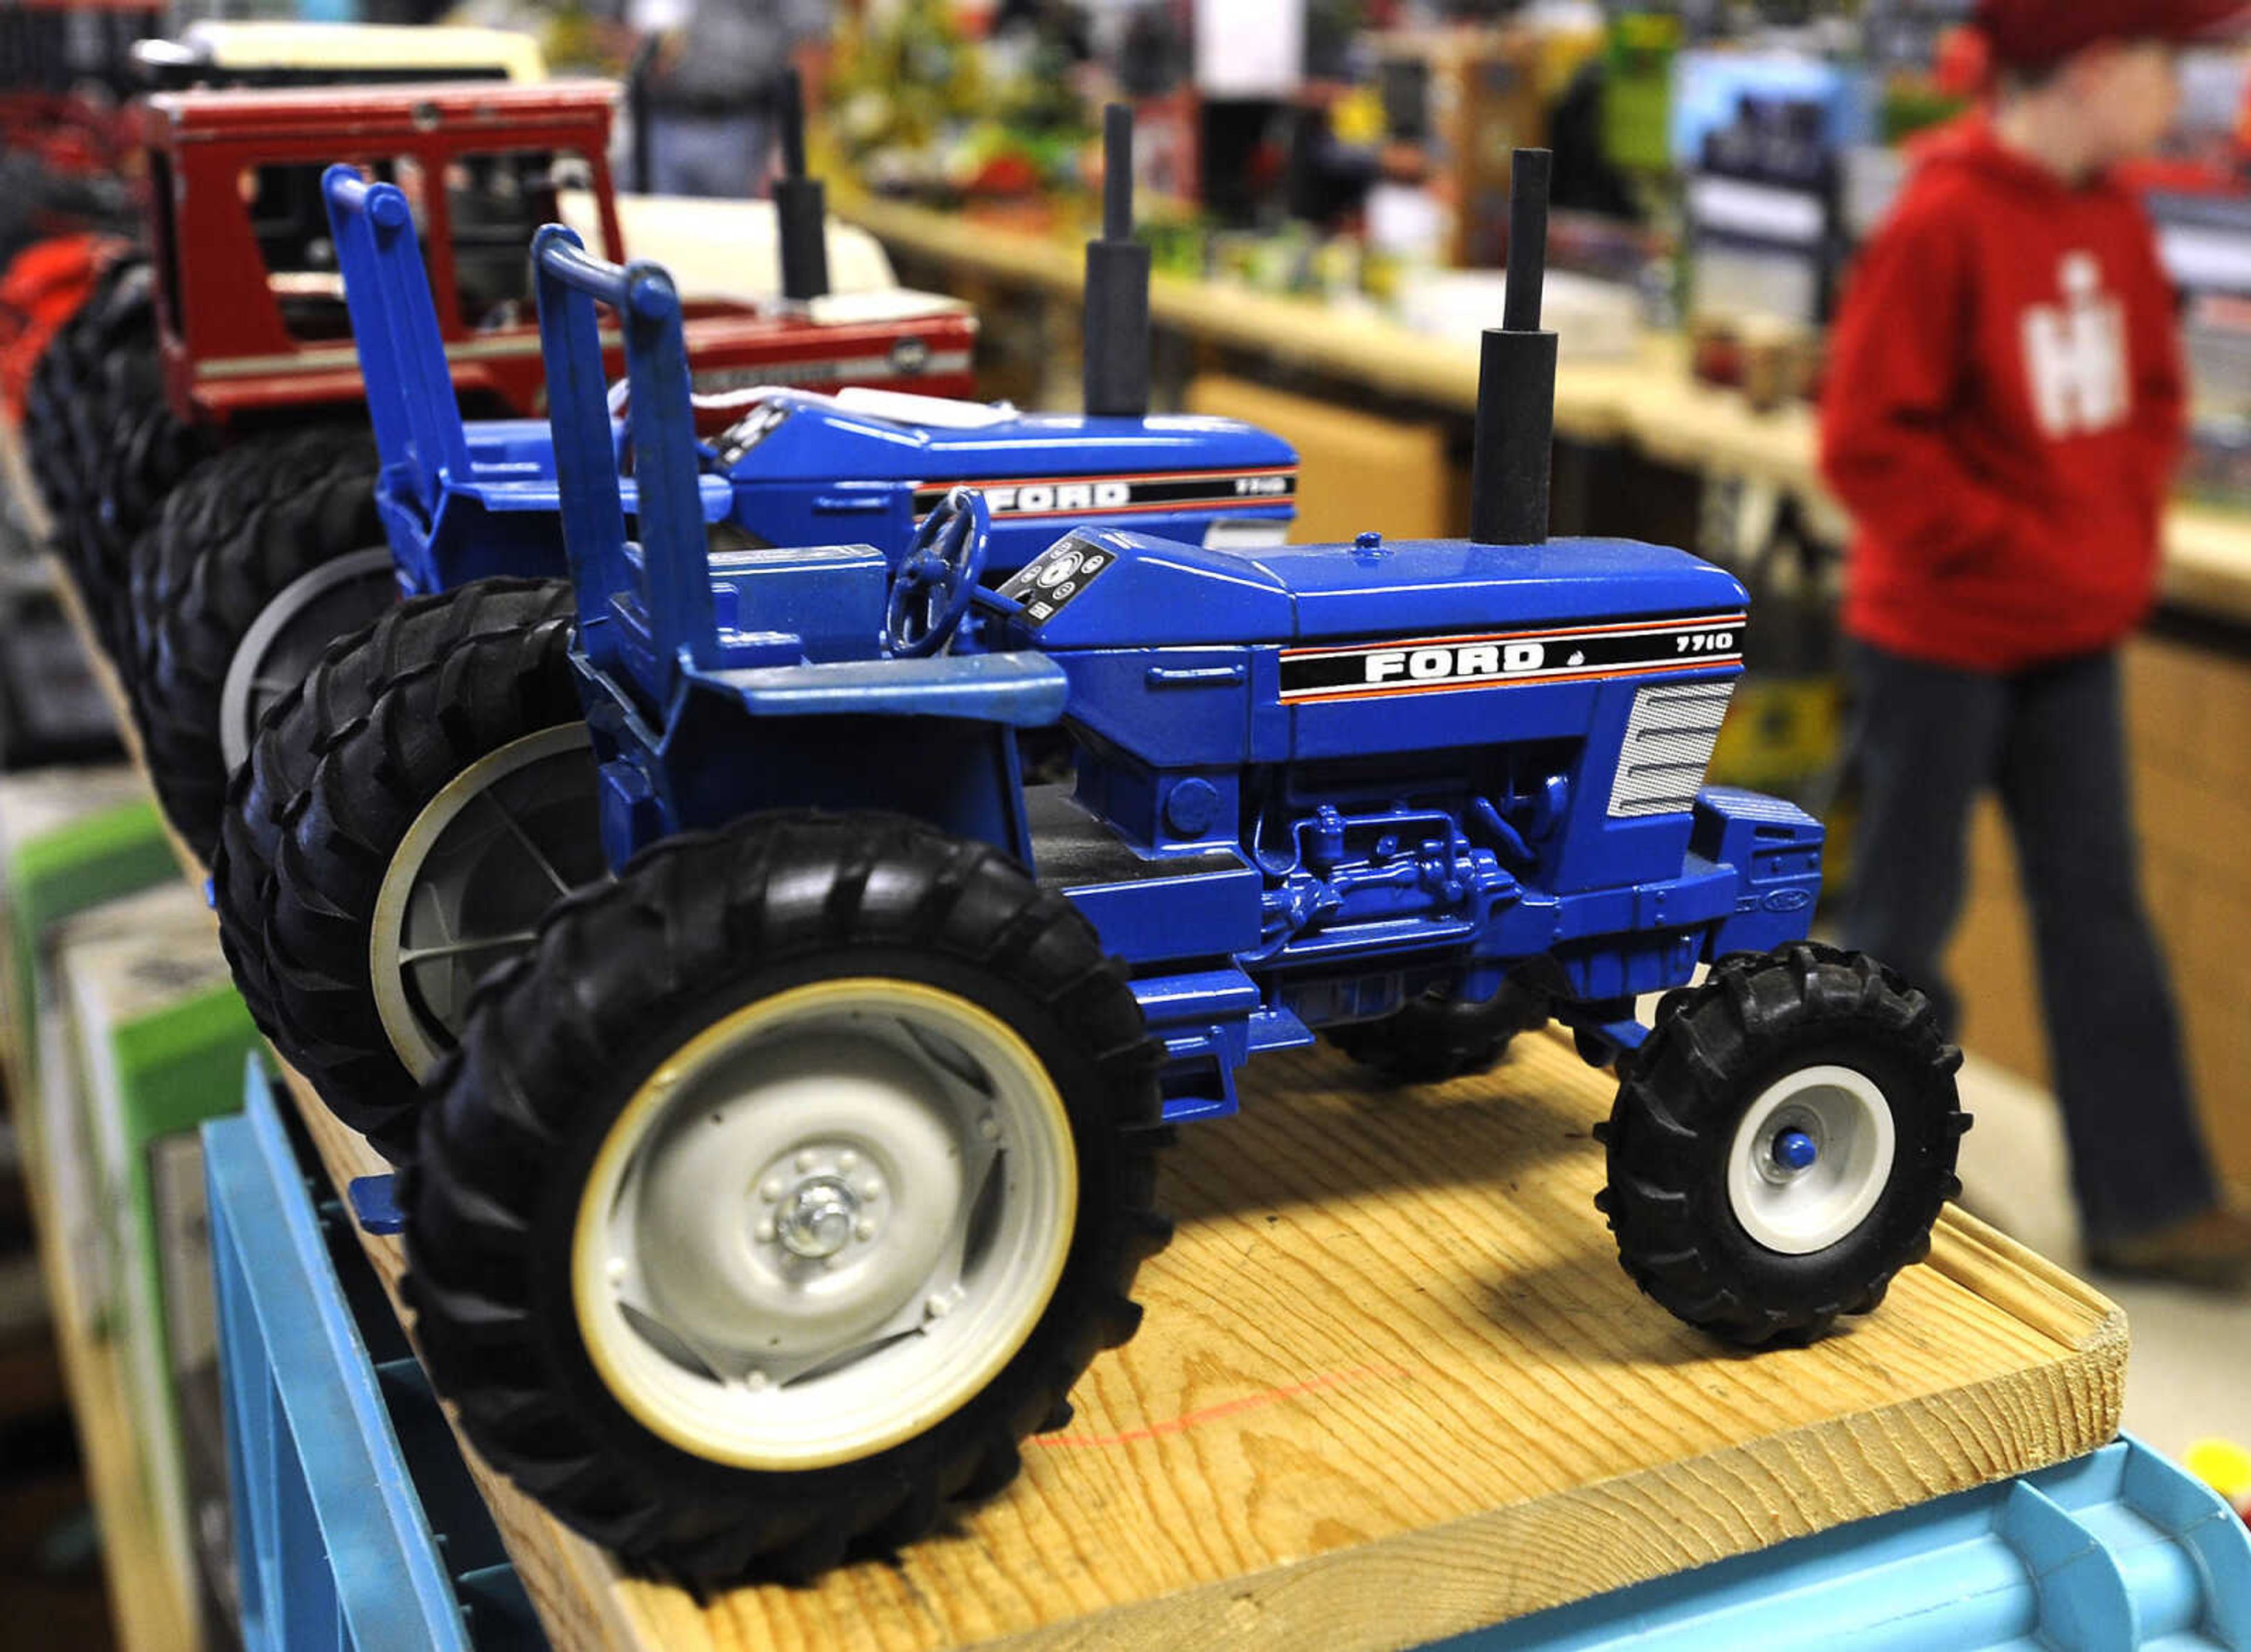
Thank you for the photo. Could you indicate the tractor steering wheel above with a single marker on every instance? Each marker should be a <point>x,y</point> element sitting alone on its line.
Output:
<point>935,581</point>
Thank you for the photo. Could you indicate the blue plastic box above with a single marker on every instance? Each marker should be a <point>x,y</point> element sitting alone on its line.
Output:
<point>2121,1551</point>
<point>356,1525</point>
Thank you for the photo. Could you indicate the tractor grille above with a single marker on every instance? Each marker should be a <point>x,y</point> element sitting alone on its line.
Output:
<point>1668,746</point>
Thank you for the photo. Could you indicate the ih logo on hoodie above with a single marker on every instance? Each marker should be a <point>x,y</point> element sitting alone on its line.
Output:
<point>2077,354</point>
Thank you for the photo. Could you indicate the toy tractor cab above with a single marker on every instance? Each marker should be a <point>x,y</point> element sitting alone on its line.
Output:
<point>835,1173</point>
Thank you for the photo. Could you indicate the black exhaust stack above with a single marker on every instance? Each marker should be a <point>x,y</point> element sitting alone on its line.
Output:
<point>800,205</point>
<point>1516,380</point>
<point>1117,324</point>
<point>637,121</point>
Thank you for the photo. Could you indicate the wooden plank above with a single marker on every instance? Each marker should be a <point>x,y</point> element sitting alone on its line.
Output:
<point>1393,1385</point>
<point>1649,401</point>
<point>1357,471</point>
<point>16,483</point>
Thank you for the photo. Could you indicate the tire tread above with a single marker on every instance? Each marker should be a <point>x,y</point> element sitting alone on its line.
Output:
<point>500,1112</point>
<point>1675,1093</point>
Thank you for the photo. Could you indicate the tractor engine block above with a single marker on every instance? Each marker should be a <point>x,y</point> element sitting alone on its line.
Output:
<point>1341,870</point>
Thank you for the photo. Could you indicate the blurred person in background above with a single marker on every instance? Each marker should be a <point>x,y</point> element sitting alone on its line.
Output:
<point>2004,416</point>
<point>710,87</point>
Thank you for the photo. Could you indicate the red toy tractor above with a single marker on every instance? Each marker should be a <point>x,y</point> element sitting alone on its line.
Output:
<point>204,439</point>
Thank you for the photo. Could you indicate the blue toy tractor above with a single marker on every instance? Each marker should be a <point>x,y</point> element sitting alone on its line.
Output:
<point>357,943</point>
<point>461,502</point>
<point>786,1182</point>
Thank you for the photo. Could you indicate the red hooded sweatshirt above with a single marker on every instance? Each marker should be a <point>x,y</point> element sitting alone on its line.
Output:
<point>2004,413</point>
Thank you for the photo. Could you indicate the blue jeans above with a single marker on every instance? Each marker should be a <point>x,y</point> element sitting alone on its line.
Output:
<point>1927,739</point>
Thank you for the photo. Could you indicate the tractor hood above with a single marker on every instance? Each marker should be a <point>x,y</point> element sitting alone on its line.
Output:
<point>1108,589</point>
<point>793,436</point>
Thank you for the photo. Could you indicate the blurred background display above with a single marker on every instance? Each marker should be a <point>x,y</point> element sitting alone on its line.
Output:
<point>1323,187</point>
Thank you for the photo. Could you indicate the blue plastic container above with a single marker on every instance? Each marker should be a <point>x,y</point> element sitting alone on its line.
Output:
<point>2120,1550</point>
<point>357,1524</point>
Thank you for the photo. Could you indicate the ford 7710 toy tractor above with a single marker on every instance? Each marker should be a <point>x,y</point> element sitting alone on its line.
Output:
<point>791,1179</point>
<point>463,501</point>
<point>333,939</point>
<point>271,548</point>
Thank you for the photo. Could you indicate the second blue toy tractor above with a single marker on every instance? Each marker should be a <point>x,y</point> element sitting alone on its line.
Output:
<point>468,507</point>
<point>784,1184</point>
<point>461,502</point>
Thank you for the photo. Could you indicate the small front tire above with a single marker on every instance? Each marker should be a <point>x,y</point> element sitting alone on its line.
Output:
<point>1435,1037</point>
<point>1783,1144</point>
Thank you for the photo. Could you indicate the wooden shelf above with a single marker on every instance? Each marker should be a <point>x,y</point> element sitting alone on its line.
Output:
<point>1393,1386</point>
<point>146,1607</point>
<point>147,1610</point>
<point>1649,402</point>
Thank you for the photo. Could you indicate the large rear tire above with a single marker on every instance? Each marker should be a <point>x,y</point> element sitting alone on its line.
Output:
<point>237,546</point>
<point>414,811</point>
<point>1783,1144</point>
<point>336,698</point>
<point>119,314</point>
<point>104,445</point>
<point>803,1039</point>
<point>137,456</point>
<point>146,454</point>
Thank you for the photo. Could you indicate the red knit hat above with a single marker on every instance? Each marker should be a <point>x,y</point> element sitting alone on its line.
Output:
<point>2025,33</point>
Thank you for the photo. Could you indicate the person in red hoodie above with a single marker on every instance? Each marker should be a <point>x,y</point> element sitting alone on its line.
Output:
<point>2003,415</point>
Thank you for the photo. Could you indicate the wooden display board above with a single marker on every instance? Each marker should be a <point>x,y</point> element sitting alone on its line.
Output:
<point>1355,471</point>
<point>1392,1386</point>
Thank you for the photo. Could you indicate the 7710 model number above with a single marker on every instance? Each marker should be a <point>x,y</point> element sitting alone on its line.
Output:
<point>1705,642</point>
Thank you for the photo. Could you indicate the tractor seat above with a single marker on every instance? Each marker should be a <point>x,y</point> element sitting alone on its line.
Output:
<point>827,599</point>
<point>1020,690</point>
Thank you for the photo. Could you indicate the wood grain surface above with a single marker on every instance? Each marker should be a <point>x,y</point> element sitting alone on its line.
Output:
<point>1393,1385</point>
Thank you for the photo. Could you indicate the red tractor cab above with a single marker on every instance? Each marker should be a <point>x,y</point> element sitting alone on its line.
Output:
<point>236,213</point>
<point>252,438</point>
<point>249,305</point>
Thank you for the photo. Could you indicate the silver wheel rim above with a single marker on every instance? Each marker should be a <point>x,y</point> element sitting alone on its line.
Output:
<point>824,1224</point>
<point>294,630</point>
<point>465,890</point>
<point>1836,1120</point>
